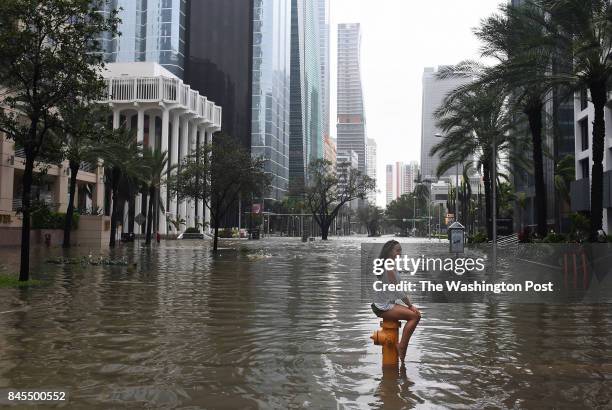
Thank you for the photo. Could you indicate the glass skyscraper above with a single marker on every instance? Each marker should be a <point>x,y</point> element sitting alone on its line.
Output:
<point>351,115</point>
<point>270,101</point>
<point>306,128</point>
<point>151,30</point>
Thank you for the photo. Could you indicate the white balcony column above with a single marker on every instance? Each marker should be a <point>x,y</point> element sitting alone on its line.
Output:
<point>174,160</point>
<point>152,131</point>
<point>163,192</point>
<point>116,118</point>
<point>140,125</point>
<point>206,138</point>
<point>182,211</point>
<point>139,138</point>
<point>193,136</point>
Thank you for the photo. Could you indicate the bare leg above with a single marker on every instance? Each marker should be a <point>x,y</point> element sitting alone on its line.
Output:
<point>400,312</point>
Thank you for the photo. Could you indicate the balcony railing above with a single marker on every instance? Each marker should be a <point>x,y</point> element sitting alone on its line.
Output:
<point>162,89</point>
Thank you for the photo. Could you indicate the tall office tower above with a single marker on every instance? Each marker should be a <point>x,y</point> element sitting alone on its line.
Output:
<point>389,195</point>
<point>351,117</point>
<point>322,10</point>
<point>306,127</point>
<point>411,171</point>
<point>400,179</point>
<point>434,92</point>
<point>151,30</point>
<point>371,171</point>
<point>239,54</point>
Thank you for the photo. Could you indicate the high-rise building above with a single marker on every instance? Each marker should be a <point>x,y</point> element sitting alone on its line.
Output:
<point>306,126</point>
<point>434,92</point>
<point>322,9</point>
<point>151,31</point>
<point>330,150</point>
<point>351,129</point>
<point>345,162</point>
<point>241,56</point>
<point>389,195</point>
<point>400,179</point>
<point>371,171</point>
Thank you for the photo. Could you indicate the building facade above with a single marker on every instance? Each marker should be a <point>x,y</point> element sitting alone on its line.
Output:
<point>371,171</point>
<point>306,119</point>
<point>241,58</point>
<point>165,113</point>
<point>400,179</point>
<point>351,123</point>
<point>434,92</point>
<point>330,150</point>
<point>151,30</point>
<point>347,161</point>
<point>322,10</point>
<point>581,187</point>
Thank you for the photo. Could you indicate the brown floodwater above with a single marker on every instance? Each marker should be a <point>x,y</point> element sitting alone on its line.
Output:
<point>281,324</point>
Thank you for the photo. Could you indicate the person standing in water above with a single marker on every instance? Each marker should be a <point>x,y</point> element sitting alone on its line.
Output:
<point>395,305</point>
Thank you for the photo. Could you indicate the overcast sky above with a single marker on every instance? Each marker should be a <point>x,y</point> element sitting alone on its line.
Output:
<point>399,39</point>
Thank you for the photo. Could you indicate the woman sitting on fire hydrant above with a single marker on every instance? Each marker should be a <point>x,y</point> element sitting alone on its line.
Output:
<point>395,305</point>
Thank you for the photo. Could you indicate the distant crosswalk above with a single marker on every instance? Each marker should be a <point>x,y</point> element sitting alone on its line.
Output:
<point>509,240</point>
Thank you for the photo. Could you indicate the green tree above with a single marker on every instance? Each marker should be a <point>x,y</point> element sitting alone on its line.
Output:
<point>48,51</point>
<point>511,38</point>
<point>371,217</point>
<point>565,171</point>
<point>581,29</point>
<point>474,120</point>
<point>218,174</point>
<point>329,191</point>
<point>157,163</point>
<point>124,169</point>
<point>83,130</point>
<point>400,212</point>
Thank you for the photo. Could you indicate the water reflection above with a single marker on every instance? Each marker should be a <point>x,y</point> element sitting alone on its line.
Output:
<point>277,323</point>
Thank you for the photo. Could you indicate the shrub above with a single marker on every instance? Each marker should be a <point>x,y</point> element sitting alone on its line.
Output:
<point>554,237</point>
<point>192,230</point>
<point>44,218</point>
<point>478,237</point>
<point>225,233</point>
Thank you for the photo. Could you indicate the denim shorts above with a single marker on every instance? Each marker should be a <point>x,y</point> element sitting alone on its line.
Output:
<point>378,312</point>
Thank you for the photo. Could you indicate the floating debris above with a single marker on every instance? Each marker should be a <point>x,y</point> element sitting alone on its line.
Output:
<point>88,260</point>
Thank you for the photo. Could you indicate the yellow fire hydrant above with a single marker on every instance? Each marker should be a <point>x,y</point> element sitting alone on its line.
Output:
<point>387,337</point>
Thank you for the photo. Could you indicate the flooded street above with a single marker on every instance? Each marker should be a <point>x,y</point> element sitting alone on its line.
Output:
<point>281,324</point>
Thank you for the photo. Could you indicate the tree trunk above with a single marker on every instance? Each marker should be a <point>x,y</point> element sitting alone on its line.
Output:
<point>487,186</point>
<point>131,213</point>
<point>74,169</point>
<point>599,97</point>
<point>216,237</point>
<point>150,211</point>
<point>24,268</point>
<point>324,225</point>
<point>534,115</point>
<point>115,206</point>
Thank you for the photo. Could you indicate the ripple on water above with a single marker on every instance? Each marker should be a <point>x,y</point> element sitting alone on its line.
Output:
<point>279,323</point>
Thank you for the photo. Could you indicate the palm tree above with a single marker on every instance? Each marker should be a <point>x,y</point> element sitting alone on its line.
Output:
<point>122,156</point>
<point>520,200</point>
<point>157,163</point>
<point>82,131</point>
<point>509,38</point>
<point>581,29</point>
<point>473,120</point>
<point>465,193</point>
